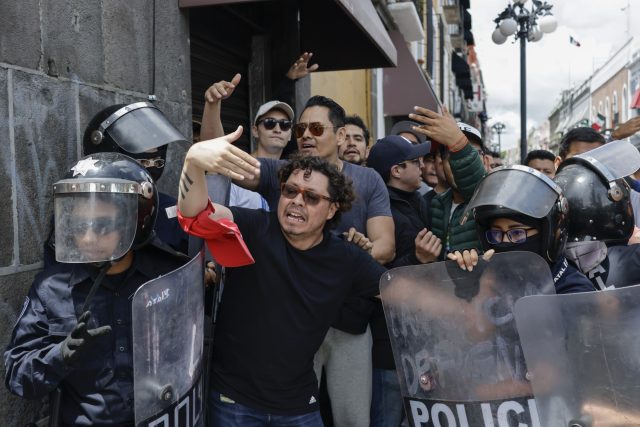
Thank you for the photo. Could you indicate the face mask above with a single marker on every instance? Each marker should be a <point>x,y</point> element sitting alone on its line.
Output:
<point>532,244</point>
<point>153,162</point>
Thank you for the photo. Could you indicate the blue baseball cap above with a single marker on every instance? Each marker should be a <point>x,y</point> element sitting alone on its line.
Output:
<point>392,150</point>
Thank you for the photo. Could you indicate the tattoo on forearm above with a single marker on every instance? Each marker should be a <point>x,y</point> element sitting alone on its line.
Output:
<point>185,183</point>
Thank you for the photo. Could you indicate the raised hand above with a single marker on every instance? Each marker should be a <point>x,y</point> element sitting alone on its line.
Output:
<point>221,156</point>
<point>221,90</point>
<point>300,68</point>
<point>438,127</point>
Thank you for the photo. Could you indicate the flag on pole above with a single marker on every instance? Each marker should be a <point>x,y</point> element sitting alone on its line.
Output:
<point>573,41</point>
<point>599,123</point>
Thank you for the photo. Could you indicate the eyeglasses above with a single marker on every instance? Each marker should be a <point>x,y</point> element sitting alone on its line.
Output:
<point>515,235</point>
<point>311,198</point>
<point>316,128</point>
<point>100,226</point>
<point>151,163</point>
<point>270,123</point>
<point>414,161</point>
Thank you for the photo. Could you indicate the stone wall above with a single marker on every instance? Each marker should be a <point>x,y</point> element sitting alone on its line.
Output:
<point>60,63</point>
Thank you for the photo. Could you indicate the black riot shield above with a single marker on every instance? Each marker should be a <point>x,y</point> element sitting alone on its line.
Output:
<point>583,351</point>
<point>168,328</point>
<point>454,340</point>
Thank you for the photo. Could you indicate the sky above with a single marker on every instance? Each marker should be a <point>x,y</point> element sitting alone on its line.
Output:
<point>553,64</point>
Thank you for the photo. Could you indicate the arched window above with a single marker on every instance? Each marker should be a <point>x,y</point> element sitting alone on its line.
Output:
<point>607,113</point>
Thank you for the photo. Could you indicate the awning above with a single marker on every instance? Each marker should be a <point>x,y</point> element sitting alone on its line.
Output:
<point>406,85</point>
<point>635,102</point>
<point>342,34</point>
<point>462,71</point>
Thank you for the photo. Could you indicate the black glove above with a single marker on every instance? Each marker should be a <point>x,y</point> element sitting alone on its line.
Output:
<point>81,338</point>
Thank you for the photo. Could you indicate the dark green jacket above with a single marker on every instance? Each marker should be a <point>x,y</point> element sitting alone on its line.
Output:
<point>468,171</point>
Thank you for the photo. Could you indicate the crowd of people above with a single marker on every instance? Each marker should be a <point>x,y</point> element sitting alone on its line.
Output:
<point>305,240</point>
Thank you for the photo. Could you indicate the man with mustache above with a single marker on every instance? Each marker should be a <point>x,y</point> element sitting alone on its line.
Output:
<point>275,313</point>
<point>356,144</point>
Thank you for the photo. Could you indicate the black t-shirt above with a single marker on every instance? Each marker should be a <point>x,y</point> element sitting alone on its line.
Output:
<point>275,314</point>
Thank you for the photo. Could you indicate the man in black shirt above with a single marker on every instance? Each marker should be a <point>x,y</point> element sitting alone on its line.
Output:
<point>275,313</point>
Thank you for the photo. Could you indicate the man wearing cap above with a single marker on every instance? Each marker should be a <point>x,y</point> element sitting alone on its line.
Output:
<point>464,166</point>
<point>356,143</point>
<point>399,164</point>
<point>405,129</point>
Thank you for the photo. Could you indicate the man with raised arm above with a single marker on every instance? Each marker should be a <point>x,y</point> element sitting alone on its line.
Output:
<point>275,313</point>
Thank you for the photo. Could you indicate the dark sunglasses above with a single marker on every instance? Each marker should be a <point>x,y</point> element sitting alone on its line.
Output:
<point>100,226</point>
<point>152,163</point>
<point>270,123</point>
<point>515,235</point>
<point>311,198</point>
<point>316,128</point>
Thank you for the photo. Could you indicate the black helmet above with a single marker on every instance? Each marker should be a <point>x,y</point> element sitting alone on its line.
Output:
<point>134,130</point>
<point>107,197</point>
<point>600,208</point>
<point>527,196</point>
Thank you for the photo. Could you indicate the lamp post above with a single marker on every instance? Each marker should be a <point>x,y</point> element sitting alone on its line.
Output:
<point>499,128</point>
<point>527,25</point>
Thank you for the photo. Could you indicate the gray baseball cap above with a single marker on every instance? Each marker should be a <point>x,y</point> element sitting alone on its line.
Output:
<point>271,105</point>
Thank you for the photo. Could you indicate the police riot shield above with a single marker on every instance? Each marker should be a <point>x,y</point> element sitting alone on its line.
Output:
<point>583,351</point>
<point>454,340</point>
<point>168,328</point>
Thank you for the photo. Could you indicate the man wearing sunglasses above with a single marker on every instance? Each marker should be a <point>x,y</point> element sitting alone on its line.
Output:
<point>275,313</point>
<point>320,131</point>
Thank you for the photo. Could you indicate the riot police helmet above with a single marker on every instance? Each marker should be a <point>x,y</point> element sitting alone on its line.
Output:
<point>598,195</point>
<point>105,205</point>
<point>139,130</point>
<point>526,196</point>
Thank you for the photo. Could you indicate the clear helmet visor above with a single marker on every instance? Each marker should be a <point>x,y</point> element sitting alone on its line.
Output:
<point>614,160</point>
<point>140,127</point>
<point>94,226</point>
<point>518,188</point>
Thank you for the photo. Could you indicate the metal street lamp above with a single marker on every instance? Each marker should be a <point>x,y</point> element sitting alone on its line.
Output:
<point>499,128</point>
<point>524,24</point>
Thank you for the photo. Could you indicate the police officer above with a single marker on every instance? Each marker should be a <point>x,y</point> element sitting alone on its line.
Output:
<point>507,221</point>
<point>142,132</point>
<point>74,332</point>
<point>601,218</point>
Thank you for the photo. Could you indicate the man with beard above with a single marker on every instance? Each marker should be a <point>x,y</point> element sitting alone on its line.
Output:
<point>356,144</point>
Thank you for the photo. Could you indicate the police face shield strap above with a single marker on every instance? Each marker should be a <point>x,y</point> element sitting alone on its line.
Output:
<point>138,127</point>
<point>95,220</point>
<point>508,188</point>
